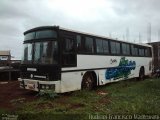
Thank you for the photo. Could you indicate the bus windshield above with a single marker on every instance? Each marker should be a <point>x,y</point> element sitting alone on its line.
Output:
<point>41,52</point>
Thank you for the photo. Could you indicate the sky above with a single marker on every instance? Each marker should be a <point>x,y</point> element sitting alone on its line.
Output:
<point>127,20</point>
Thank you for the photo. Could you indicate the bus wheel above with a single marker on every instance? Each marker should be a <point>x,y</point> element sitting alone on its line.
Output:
<point>87,82</point>
<point>141,74</point>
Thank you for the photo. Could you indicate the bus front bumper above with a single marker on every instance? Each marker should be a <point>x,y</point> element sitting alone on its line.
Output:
<point>37,85</point>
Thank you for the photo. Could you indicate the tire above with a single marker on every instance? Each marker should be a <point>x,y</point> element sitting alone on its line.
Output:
<point>141,74</point>
<point>87,82</point>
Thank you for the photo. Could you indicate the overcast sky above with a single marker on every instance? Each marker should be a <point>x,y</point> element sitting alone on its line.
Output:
<point>110,18</point>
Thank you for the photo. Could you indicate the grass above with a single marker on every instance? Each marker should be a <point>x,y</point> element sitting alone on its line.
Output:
<point>125,97</point>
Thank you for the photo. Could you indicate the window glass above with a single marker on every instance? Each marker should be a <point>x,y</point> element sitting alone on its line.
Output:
<point>146,52</point>
<point>102,46</point>
<point>134,50</point>
<point>41,34</point>
<point>141,52</point>
<point>55,52</point>
<point>113,47</point>
<point>150,52</point>
<point>46,34</point>
<point>117,48</point>
<point>29,36</point>
<point>158,50</point>
<point>79,43</point>
<point>27,56</point>
<point>69,56</point>
<point>89,45</point>
<point>128,49</point>
<point>125,49</point>
<point>29,51</point>
<point>68,45</point>
<point>105,46</point>
<point>99,46</point>
<point>46,52</point>
<point>37,52</point>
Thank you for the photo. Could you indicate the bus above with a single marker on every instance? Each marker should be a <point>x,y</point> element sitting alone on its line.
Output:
<point>64,60</point>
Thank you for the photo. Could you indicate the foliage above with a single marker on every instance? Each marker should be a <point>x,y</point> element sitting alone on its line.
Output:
<point>124,97</point>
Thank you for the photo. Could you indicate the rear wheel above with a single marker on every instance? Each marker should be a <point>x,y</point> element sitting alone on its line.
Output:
<point>141,74</point>
<point>87,82</point>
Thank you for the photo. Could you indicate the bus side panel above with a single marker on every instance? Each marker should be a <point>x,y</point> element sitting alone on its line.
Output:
<point>107,68</point>
<point>102,79</point>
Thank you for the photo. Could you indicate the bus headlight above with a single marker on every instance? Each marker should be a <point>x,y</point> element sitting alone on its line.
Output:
<point>43,86</point>
<point>47,87</point>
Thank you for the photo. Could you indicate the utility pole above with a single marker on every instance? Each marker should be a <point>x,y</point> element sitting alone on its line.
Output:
<point>110,35</point>
<point>149,33</point>
<point>140,41</point>
<point>159,35</point>
<point>123,38</point>
<point>127,34</point>
<point>134,41</point>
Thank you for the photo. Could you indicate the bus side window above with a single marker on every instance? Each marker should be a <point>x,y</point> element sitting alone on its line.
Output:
<point>146,52</point>
<point>79,44</point>
<point>102,46</point>
<point>99,46</point>
<point>134,50</point>
<point>118,48</point>
<point>124,52</point>
<point>141,52</point>
<point>69,46</point>
<point>125,49</point>
<point>150,52</point>
<point>88,45</point>
<point>115,47</point>
<point>105,47</point>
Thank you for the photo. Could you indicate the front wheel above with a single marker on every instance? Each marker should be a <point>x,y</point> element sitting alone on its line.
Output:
<point>87,82</point>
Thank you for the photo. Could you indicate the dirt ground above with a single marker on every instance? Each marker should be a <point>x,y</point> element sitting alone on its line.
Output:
<point>10,92</point>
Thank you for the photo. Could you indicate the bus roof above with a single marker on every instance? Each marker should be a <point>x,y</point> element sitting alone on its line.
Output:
<point>85,33</point>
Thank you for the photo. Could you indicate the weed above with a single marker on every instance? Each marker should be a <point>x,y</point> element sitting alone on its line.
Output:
<point>125,97</point>
<point>48,94</point>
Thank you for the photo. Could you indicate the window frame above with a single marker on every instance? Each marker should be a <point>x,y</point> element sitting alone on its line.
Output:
<point>116,54</point>
<point>127,49</point>
<point>141,52</point>
<point>81,38</point>
<point>64,53</point>
<point>33,35</point>
<point>93,45</point>
<point>103,50</point>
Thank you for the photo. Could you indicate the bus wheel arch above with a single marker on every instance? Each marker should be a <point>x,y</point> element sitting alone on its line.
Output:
<point>89,80</point>
<point>141,73</point>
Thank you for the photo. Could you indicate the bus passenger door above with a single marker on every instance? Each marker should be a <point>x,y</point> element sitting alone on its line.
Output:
<point>69,57</point>
<point>70,80</point>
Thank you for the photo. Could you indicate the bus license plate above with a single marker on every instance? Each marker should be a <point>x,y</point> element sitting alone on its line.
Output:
<point>31,86</point>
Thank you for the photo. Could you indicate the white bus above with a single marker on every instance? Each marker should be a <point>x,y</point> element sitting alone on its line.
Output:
<point>64,60</point>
